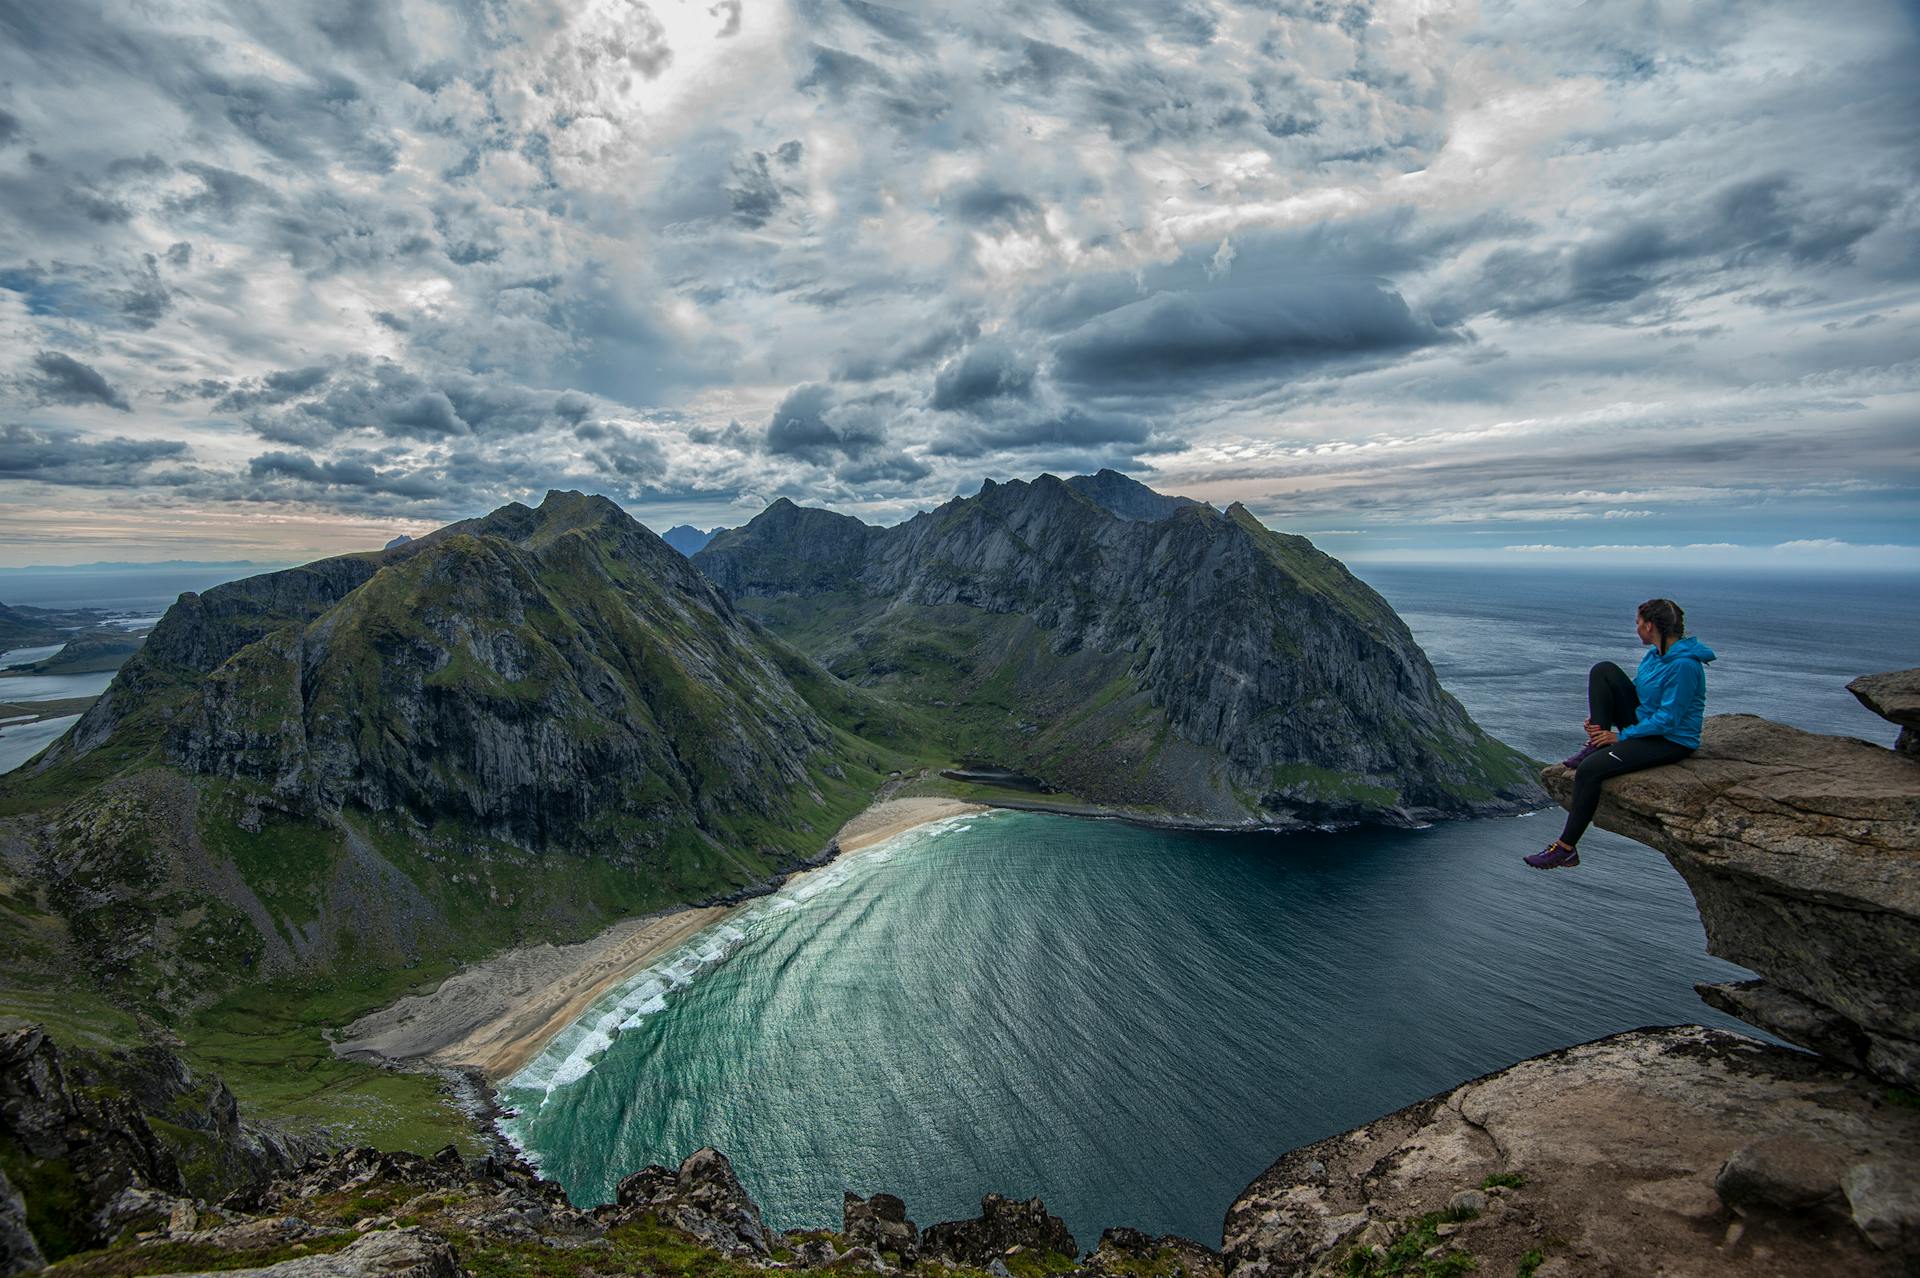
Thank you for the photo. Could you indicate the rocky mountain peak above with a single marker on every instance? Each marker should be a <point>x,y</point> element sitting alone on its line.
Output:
<point>1128,498</point>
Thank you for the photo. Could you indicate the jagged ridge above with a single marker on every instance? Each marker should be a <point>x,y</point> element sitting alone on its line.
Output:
<point>1198,664</point>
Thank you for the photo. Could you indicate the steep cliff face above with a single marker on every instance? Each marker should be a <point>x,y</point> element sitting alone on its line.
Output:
<point>1199,663</point>
<point>1803,853</point>
<point>556,678</point>
<point>540,718</point>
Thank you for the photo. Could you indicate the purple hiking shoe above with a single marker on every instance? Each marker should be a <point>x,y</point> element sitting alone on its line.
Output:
<point>1556,855</point>
<point>1578,757</point>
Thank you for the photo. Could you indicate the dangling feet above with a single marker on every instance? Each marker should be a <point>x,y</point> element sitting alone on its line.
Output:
<point>1555,856</point>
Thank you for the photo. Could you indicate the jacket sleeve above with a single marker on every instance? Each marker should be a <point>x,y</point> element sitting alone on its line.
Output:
<point>1687,684</point>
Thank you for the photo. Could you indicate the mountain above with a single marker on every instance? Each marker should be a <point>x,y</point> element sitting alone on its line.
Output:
<point>541,718</point>
<point>88,651</point>
<point>687,539</point>
<point>1197,666</point>
<point>1128,498</point>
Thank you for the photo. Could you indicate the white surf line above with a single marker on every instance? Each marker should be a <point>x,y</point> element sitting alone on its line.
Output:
<point>576,1050</point>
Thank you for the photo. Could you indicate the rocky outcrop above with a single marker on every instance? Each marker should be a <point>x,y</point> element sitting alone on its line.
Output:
<point>88,1163</point>
<point>1170,658</point>
<point>1004,1225</point>
<point>1129,1253</point>
<point>1803,854</point>
<point>389,1253</point>
<point>880,1225</point>
<point>361,1213</point>
<point>1683,1151</point>
<point>1895,697</point>
<point>704,1199</point>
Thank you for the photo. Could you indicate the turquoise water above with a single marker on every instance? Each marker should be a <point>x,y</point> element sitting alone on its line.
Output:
<point>1130,1023</point>
<point>1133,1024</point>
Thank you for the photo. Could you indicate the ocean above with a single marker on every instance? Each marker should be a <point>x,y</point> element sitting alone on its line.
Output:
<point>131,596</point>
<point>1133,1024</point>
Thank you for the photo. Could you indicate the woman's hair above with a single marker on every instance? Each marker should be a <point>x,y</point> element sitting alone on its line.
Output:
<point>1665,616</point>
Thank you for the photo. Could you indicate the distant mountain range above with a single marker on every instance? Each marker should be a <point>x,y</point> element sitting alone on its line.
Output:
<point>689,540</point>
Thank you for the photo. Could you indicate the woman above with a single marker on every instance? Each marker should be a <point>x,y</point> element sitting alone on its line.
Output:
<point>1650,720</point>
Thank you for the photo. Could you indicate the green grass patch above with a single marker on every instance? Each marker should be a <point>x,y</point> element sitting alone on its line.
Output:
<point>266,1042</point>
<point>1407,1255</point>
<point>1325,785</point>
<point>1530,1263</point>
<point>1504,1180</point>
<point>187,1257</point>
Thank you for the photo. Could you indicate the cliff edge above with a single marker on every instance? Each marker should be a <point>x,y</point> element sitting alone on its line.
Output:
<point>1680,1150</point>
<point>1803,853</point>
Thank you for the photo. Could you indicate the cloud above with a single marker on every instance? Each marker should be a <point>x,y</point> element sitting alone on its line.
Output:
<point>63,379</point>
<point>1234,331</point>
<point>988,372</point>
<point>50,456</point>
<point>811,424</point>
<point>1436,273</point>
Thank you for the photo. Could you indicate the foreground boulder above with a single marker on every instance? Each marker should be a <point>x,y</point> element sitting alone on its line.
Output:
<point>705,1199</point>
<point>1803,853</point>
<point>1005,1226</point>
<point>1676,1151</point>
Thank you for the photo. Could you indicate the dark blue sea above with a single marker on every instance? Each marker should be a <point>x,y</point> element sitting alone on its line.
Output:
<point>1133,1024</point>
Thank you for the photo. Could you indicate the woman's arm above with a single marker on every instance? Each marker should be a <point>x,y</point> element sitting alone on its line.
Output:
<point>1688,682</point>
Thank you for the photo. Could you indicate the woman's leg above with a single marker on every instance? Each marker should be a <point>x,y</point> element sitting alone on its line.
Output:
<point>1612,761</point>
<point>1612,701</point>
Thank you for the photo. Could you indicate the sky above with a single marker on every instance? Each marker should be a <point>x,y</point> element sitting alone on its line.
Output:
<point>1553,282</point>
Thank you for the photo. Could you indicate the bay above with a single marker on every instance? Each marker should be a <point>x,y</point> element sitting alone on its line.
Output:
<point>1133,1023</point>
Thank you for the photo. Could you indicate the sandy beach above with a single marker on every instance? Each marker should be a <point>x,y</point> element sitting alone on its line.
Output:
<point>497,1015</point>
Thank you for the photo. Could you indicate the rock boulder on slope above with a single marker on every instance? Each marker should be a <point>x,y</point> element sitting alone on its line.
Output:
<point>1803,853</point>
<point>1683,1151</point>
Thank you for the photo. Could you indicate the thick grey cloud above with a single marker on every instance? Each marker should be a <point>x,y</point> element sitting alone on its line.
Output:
<point>62,379</point>
<point>987,372</point>
<point>1178,337</point>
<point>65,457</point>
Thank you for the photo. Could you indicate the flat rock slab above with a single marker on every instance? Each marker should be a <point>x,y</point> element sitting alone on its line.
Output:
<point>1621,1148</point>
<point>1895,697</point>
<point>1803,853</point>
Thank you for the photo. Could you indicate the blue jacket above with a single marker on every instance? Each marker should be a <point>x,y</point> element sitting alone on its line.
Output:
<point>1673,693</point>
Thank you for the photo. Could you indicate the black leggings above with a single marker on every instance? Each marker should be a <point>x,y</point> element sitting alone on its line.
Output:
<point>1612,703</point>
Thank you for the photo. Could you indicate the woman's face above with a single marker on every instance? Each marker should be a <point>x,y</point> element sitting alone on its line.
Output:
<point>1648,632</point>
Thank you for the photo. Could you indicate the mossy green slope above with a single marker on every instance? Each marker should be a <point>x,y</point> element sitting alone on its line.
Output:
<point>312,789</point>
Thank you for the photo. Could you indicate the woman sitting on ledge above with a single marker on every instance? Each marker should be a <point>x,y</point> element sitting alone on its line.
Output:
<point>1644,722</point>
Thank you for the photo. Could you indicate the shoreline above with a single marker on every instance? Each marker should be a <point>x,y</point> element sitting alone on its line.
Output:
<point>494,1017</point>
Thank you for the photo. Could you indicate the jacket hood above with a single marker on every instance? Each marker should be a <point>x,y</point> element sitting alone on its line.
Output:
<point>1690,648</point>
